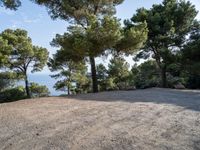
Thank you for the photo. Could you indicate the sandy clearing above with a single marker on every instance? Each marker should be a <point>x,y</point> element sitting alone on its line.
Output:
<point>122,120</point>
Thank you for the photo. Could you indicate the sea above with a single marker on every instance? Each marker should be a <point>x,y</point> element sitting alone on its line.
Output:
<point>44,79</point>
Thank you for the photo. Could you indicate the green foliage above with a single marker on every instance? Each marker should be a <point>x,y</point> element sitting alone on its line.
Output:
<point>7,79</point>
<point>101,72</point>
<point>167,32</point>
<point>101,35</point>
<point>110,84</point>
<point>73,44</point>
<point>190,58</point>
<point>95,30</point>
<point>21,54</point>
<point>193,81</point>
<point>79,10</point>
<point>102,76</point>
<point>10,4</point>
<point>38,90</point>
<point>5,50</point>
<point>72,74</point>
<point>146,75</point>
<point>82,81</point>
<point>191,51</point>
<point>118,69</point>
<point>132,38</point>
<point>79,43</point>
<point>168,24</point>
<point>12,94</point>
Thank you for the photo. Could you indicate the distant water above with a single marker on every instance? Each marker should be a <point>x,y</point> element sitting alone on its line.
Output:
<point>45,79</point>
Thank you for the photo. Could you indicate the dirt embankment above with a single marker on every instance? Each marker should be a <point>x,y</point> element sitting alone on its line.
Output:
<point>123,120</point>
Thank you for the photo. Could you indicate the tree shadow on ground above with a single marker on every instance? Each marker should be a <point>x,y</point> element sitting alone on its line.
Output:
<point>189,99</point>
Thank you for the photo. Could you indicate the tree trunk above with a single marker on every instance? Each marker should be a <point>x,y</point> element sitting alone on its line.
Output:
<point>27,86</point>
<point>163,76</point>
<point>94,75</point>
<point>68,90</point>
<point>162,68</point>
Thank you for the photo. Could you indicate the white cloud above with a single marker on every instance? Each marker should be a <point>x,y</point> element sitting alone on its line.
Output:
<point>27,19</point>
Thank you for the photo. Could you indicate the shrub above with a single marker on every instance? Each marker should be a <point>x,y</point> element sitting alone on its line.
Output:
<point>12,94</point>
<point>146,75</point>
<point>39,90</point>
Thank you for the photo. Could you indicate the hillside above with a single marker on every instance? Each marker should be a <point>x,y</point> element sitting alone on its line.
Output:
<point>142,119</point>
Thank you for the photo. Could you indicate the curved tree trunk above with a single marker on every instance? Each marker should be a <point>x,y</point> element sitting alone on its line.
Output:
<point>94,75</point>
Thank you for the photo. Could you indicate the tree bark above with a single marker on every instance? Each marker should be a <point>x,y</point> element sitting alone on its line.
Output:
<point>27,86</point>
<point>163,76</point>
<point>162,68</point>
<point>94,75</point>
<point>68,90</point>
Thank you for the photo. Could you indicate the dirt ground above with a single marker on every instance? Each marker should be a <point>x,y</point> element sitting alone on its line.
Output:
<point>151,119</point>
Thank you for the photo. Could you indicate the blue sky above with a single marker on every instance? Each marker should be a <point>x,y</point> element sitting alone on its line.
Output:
<point>41,28</point>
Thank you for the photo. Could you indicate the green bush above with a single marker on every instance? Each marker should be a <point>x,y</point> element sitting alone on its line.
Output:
<point>146,75</point>
<point>12,94</point>
<point>193,82</point>
<point>38,90</point>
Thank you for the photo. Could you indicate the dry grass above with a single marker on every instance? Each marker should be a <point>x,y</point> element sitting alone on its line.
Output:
<point>124,120</point>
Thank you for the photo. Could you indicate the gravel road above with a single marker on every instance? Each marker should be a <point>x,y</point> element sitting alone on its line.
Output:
<point>151,119</point>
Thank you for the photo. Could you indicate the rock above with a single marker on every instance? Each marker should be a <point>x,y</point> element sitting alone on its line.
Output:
<point>130,88</point>
<point>179,86</point>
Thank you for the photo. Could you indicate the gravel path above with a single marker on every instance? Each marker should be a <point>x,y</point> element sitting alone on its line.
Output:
<point>151,119</point>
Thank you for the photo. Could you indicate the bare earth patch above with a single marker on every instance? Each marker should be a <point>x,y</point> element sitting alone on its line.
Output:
<point>162,119</point>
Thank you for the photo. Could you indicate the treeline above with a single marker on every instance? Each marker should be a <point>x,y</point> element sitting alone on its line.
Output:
<point>166,35</point>
<point>119,75</point>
